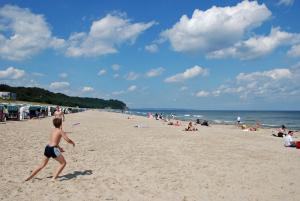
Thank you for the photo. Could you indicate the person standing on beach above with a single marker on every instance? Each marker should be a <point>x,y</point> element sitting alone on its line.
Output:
<point>59,113</point>
<point>238,120</point>
<point>53,150</point>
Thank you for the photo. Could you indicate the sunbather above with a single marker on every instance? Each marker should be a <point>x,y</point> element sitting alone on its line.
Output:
<point>191,127</point>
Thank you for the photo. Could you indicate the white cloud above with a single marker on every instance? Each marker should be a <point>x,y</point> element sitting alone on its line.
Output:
<point>183,88</point>
<point>63,75</point>
<point>59,85</point>
<point>294,51</point>
<point>257,46</point>
<point>202,93</point>
<point>12,73</point>
<point>87,89</point>
<point>132,88</point>
<point>24,34</point>
<point>275,74</point>
<point>102,72</point>
<point>116,75</point>
<point>121,92</point>
<point>155,72</point>
<point>131,76</point>
<point>187,74</point>
<point>216,28</point>
<point>116,67</point>
<point>275,83</point>
<point>105,36</point>
<point>151,48</point>
<point>286,2</point>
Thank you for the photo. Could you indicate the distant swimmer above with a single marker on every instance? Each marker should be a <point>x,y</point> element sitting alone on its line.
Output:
<point>59,113</point>
<point>53,150</point>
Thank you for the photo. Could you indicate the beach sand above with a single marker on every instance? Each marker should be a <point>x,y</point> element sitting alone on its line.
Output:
<point>114,160</point>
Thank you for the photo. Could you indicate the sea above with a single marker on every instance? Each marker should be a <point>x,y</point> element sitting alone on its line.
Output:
<point>267,119</point>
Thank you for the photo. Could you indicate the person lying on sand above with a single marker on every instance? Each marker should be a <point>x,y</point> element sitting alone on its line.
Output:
<point>191,127</point>
<point>53,150</point>
<point>251,128</point>
<point>174,124</point>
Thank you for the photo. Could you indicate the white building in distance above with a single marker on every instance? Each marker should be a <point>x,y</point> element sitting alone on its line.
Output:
<point>8,95</point>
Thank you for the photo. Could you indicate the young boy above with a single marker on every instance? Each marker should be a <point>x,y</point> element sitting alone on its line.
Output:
<point>54,150</point>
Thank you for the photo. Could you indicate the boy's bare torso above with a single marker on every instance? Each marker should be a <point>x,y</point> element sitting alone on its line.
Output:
<point>55,137</point>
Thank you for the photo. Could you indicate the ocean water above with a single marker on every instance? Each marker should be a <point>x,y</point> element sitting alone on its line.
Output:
<point>268,119</point>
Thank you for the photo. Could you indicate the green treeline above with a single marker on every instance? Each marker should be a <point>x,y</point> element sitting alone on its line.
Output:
<point>35,94</point>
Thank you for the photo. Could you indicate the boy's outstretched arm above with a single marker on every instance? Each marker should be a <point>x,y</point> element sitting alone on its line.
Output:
<point>64,135</point>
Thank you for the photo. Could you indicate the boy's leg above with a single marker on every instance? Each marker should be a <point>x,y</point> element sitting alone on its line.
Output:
<point>39,168</point>
<point>62,162</point>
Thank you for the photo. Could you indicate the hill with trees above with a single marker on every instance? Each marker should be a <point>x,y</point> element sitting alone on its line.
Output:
<point>35,94</point>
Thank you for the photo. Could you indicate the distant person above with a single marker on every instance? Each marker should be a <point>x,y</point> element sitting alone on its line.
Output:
<point>59,113</point>
<point>53,150</point>
<point>22,113</point>
<point>288,140</point>
<point>251,128</point>
<point>238,120</point>
<point>198,121</point>
<point>204,123</point>
<point>191,127</point>
<point>177,123</point>
<point>281,131</point>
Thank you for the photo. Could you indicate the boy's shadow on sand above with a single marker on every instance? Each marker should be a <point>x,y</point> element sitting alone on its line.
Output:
<point>75,174</point>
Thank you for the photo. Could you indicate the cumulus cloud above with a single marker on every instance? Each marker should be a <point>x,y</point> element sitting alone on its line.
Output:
<point>59,85</point>
<point>132,88</point>
<point>258,46</point>
<point>151,48</point>
<point>294,51</point>
<point>278,82</point>
<point>131,76</point>
<point>121,92</point>
<point>87,89</point>
<point>286,2</point>
<point>155,72</point>
<point>63,75</point>
<point>202,93</point>
<point>187,74</point>
<point>24,33</point>
<point>275,74</point>
<point>216,28</point>
<point>105,36</point>
<point>102,72</point>
<point>12,73</point>
<point>116,67</point>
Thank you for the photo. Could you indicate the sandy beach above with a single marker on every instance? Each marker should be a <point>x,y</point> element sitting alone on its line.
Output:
<point>114,160</point>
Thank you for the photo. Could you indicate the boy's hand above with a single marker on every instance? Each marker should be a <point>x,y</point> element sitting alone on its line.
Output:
<point>61,149</point>
<point>73,143</point>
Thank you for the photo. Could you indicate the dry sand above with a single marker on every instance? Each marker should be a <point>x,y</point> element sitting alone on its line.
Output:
<point>114,160</point>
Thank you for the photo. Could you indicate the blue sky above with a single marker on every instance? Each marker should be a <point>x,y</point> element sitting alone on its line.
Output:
<point>156,54</point>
